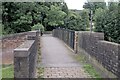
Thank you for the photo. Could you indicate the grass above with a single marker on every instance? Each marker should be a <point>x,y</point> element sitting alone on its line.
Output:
<point>39,53</point>
<point>8,72</point>
<point>88,67</point>
<point>80,58</point>
<point>40,70</point>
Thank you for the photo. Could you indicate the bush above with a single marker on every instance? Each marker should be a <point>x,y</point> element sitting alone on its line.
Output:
<point>38,26</point>
<point>108,21</point>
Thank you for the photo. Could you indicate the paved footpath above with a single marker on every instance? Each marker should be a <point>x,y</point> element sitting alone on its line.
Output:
<point>57,61</point>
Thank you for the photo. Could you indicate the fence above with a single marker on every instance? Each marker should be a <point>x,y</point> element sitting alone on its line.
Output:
<point>102,54</point>
<point>25,57</point>
<point>66,35</point>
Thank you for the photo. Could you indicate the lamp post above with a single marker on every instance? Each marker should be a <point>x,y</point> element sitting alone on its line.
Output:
<point>91,13</point>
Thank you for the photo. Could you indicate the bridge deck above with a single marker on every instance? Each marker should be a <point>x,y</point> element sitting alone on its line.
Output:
<point>58,61</point>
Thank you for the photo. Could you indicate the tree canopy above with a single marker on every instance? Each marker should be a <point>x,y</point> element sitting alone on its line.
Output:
<point>106,19</point>
<point>20,17</point>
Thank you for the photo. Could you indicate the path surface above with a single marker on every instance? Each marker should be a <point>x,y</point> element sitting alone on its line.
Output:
<point>57,61</point>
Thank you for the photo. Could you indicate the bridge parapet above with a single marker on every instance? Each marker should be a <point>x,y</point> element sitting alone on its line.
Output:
<point>25,57</point>
<point>100,52</point>
<point>104,55</point>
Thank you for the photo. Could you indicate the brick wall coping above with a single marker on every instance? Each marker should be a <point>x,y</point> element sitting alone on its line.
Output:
<point>89,32</point>
<point>12,35</point>
<point>65,29</point>
<point>95,34</point>
<point>24,49</point>
<point>108,42</point>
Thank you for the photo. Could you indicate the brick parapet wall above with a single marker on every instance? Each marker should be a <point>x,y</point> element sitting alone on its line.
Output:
<point>106,53</point>
<point>9,43</point>
<point>13,40</point>
<point>109,56</point>
<point>99,52</point>
<point>25,57</point>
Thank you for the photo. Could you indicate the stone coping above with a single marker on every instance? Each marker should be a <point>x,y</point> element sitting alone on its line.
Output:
<point>12,35</point>
<point>108,42</point>
<point>24,49</point>
<point>17,34</point>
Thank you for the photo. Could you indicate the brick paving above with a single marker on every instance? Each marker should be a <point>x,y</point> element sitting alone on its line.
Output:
<point>65,72</point>
<point>57,61</point>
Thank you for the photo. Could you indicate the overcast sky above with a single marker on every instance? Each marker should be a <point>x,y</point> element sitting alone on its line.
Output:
<point>75,4</point>
<point>78,4</point>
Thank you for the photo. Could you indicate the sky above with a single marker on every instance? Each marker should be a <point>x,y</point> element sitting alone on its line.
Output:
<point>78,4</point>
<point>75,4</point>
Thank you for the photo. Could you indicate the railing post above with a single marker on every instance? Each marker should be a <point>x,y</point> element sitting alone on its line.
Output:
<point>76,42</point>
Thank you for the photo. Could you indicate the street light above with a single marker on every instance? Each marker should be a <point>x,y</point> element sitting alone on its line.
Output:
<point>91,15</point>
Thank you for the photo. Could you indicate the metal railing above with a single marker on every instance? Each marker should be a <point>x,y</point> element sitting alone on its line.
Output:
<point>67,36</point>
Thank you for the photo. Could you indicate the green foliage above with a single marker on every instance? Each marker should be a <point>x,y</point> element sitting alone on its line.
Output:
<point>56,16</point>
<point>108,21</point>
<point>73,21</point>
<point>40,72</point>
<point>90,69</point>
<point>99,19</point>
<point>15,17</point>
<point>94,5</point>
<point>20,17</point>
<point>8,72</point>
<point>85,18</point>
<point>7,31</point>
<point>38,26</point>
<point>76,21</point>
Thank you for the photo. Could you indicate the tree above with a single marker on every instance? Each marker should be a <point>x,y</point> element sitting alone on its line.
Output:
<point>94,5</point>
<point>17,17</point>
<point>108,21</point>
<point>85,19</point>
<point>20,17</point>
<point>56,16</point>
<point>38,27</point>
<point>76,21</point>
<point>99,19</point>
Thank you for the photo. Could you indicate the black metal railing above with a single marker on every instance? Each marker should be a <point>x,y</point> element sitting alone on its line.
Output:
<point>68,36</point>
